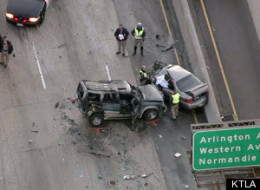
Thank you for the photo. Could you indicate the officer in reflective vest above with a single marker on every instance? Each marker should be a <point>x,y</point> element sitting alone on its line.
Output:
<point>175,104</point>
<point>143,76</point>
<point>139,34</point>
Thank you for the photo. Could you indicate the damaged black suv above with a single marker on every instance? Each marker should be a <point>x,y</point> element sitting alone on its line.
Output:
<point>117,99</point>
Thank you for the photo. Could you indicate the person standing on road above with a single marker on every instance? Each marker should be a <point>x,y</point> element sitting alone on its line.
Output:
<point>143,76</point>
<point>175,104</point>
<point>121,35</point>
<point>4,53</point>
<point>139,34</point>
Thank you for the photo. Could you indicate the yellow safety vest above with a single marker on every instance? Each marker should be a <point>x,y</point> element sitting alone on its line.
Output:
<point>176,98</point>
<point>138,34</point>
<point>141,72</point>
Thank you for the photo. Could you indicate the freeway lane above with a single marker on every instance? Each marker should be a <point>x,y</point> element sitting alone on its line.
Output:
<point>76,41</point>
<point>239,48</point>
<point>168,135</point>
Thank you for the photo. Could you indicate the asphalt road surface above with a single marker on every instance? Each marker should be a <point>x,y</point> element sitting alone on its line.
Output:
<point>45,143</point>
<point>239,48</point>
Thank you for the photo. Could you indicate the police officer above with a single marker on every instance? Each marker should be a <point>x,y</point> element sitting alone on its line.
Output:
<point>139,34</point>
<point>175,104</point>
<point>143,76</point>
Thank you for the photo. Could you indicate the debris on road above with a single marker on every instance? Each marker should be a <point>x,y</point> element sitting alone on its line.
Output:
<point>57,105</point>
<point>81,176</point>
<point>112,183</point>
<point>30,141</point>
<point>159,45</point>
<point>177,154</point>
<point>146,175</point>
<point>168,48</point>
<point>35,131</point>
<point>128,177</point>
<point>99,176</point>
<point>186,186</point>
<point>183,138</point>
<point>157,36</point>
<point>99,153</point>
<point>160,136</point>
<point>73,100</point>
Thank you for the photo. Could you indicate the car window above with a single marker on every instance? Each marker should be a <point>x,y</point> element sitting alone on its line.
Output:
<point>94,97</point>
<point>126,97</point>
<point>110,98</point>
<point>80,91</point>
<point>188,82</point>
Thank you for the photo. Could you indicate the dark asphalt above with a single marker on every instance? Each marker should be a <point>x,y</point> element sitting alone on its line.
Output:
<point>239,49</point>
<point>169,136</point>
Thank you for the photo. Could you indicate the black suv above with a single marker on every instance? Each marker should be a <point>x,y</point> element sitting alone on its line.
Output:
<point>117,99</point>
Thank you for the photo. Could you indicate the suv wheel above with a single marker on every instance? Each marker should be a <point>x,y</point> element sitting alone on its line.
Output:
<point>151,114</point>
<point>96,119</point>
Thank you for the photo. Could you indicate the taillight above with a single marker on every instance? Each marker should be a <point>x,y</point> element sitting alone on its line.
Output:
<point>207,92</point>
<point>188,100</point>
<point>34,19</point>
<point>9,15</point>
<point>15,19</point>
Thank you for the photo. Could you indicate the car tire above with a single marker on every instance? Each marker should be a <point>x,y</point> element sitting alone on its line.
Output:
<point>96,119</point>
<point>151,114</point>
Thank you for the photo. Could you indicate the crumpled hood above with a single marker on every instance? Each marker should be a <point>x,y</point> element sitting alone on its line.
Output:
<point>25,8</point>
<point>150,92</point>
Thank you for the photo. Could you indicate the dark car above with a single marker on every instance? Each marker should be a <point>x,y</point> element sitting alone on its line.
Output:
<point>194,93</point>
<point>117,99</point>
<point>26,12</point>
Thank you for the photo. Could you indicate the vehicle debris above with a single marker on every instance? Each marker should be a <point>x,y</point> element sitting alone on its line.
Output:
<point>30,141</point>
<point>177,154</point>
<point>57,105</point>
<point>146,175</point>
<point>160,136</point>
<point>129,177</point>
<point>168,48</point>
<point>35,131</point>
<point>112,182</point>
<point>99,153</point>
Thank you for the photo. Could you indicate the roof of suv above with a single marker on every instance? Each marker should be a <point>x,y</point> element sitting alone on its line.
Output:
<point>108,86</point>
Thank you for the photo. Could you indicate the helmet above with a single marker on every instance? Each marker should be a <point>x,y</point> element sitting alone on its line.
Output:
<point>139,25</point>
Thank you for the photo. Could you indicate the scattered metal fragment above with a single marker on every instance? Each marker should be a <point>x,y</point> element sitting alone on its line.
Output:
<point>168,48</point>
<point>99,153</point>
<point>159,45</point>
<point>57,104</point>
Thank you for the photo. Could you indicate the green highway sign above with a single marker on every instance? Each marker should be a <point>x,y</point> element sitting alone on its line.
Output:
<point>226,148</point>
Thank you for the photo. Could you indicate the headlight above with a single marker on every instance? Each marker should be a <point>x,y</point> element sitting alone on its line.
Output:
<point>9,15</point>
<point>34,19</point>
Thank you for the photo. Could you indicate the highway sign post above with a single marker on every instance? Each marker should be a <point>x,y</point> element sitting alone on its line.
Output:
<point>226,148</point>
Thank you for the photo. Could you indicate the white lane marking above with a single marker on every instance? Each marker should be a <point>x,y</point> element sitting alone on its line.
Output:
<point>108,73</point>
<point>39,66</point>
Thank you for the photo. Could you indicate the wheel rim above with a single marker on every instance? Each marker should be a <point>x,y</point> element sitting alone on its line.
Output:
<point>97,121</point>
<point>152,115</point>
